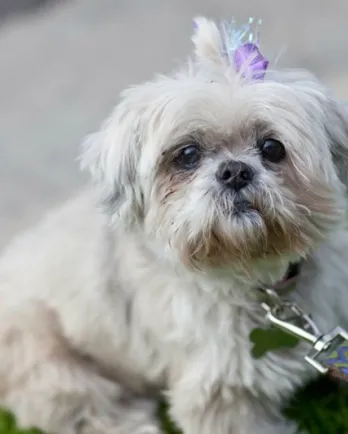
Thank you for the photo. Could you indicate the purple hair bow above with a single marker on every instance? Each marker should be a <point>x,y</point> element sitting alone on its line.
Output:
<point>249,60</point>
<point>241,47</point>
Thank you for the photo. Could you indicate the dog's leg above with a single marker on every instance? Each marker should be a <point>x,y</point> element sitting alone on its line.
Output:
<point>48,385</point>
<point>225,411</point>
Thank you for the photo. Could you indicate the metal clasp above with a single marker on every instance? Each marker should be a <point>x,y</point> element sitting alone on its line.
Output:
<point>324,347</point>
<point>290,318</point>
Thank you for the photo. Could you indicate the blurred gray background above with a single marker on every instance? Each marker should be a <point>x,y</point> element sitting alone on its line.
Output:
<point>63,64</point>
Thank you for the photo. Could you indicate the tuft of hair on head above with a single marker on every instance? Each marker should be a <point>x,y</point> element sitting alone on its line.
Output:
<point>207,42</point>
<point>232,49</point>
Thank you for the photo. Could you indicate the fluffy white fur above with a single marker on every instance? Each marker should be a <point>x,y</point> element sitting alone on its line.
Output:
<point>147,281</point>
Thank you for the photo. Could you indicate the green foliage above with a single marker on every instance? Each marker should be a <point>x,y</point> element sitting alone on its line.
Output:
<point>321,408</point>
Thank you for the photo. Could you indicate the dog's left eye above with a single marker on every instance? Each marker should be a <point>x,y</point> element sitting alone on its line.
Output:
<point>188,157</point>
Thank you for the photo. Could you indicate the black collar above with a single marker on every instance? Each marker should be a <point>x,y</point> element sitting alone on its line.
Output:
<point>289,278</point>
<point>293,270</point>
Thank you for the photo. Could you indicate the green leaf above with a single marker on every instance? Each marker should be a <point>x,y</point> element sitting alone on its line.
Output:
<point>270,339</point>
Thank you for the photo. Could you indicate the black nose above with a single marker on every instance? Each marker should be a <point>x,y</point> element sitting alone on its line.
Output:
<point>234,174</point>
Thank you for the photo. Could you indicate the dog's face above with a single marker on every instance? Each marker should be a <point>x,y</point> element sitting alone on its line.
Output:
<point>217,171</point>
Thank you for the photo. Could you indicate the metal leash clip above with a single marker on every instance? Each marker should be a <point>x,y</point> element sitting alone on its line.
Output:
<point>329,352</point>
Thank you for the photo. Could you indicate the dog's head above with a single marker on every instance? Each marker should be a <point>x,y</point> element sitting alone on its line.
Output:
<point>220,170</point>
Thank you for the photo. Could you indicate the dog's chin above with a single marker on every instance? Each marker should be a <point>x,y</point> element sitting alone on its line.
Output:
<point>243,220</point>
<point>242,236</point>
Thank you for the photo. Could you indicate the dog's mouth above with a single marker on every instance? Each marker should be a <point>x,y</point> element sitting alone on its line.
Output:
<point>239,205</point>
<point>242,206</point>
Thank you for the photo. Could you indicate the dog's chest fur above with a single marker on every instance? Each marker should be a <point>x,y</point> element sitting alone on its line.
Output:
<point>205,340</point>
<point>179,328</point>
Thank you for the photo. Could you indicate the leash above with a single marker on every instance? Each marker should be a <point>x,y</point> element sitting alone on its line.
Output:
<point>329,351</point>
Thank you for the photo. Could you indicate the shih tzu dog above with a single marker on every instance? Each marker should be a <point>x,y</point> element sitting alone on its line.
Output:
<point>205,183</point>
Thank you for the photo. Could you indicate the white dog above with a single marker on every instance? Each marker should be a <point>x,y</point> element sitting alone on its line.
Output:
<point>206,184</point>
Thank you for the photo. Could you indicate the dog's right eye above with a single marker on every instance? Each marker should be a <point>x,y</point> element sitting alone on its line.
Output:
<point>188,157</point>
<point>272,150</point>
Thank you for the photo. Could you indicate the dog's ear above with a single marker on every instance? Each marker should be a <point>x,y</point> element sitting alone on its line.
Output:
<point>207,42</point>
<point>323,108</point>
<point>111,156</point>
<point>337,128</point>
